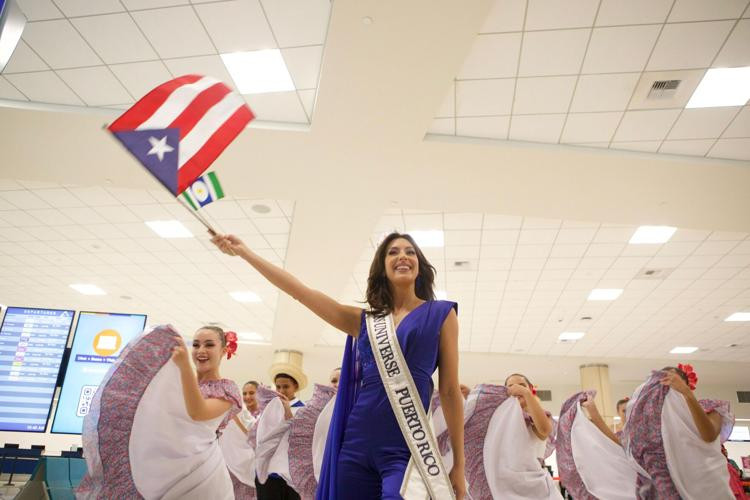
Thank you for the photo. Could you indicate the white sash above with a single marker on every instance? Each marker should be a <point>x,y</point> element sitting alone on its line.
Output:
<point>407,407</point>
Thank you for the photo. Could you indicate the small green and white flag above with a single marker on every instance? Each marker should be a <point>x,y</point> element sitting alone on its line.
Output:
<point>203,191</point>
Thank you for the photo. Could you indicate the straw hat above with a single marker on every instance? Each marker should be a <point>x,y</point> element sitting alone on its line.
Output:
<point>289,362</point>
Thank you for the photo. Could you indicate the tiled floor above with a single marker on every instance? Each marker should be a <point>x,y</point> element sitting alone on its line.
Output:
<point>9,492</point>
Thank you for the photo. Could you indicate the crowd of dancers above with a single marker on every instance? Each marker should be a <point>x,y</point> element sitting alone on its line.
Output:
<point>161,428</point>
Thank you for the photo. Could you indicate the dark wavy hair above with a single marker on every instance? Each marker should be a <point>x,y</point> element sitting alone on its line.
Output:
<point>679,372</point>
<point>379,294</point>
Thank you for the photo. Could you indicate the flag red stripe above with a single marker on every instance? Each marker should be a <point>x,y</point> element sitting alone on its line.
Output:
<point>149,103</point>
<point>213,147</point>
<point>195,111</point>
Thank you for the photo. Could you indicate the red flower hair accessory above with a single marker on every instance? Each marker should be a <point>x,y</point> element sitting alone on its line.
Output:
<point>231,339</point>
<point>691,375</point>
<point>533,389</point>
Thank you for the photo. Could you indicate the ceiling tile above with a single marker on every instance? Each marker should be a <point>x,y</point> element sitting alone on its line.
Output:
<point>82,215</point>
<point>44,86</point>
<point>8,91</point>
<point>688,45</point>
<point>740,127</point>
<point>141,77</point>
<point>733,149</point>
<point>59,198</point>
<point>308,101</point>
<point>39,10</point>
<point>298,23</point>
<point>201,65</point>
<point>492,56</point>
<point>462,221</point>
<point>620,49</point>
<point>97,86</point>
<point>93,196</point>
<point>699,10</point>
<point>504,15</point>
<point>304,65</point>
<point>24,59</point>
<point>604,92</point>
<point>277,107</point>
<point>702,123</point>
<point>272,225</point>
<point>116,38</point>
<point>488,127</point>
<point>734,53</point>
<point>536,128</point>
<point>550,94</point>
<point>648,125</point>
<point>617,12</point>
<point>552,14</point>
<point>643,146</point>
<point>174,32</point>
<point>23,200</point>
<point>689,80</point>
<point>590,127</point>
<point>237,26</point>
<point>484,97</point>
<point>59,44</point>
<point>75,8</point>
<point>152,4</point>
<point>442,126</point>
<point>553,52</point>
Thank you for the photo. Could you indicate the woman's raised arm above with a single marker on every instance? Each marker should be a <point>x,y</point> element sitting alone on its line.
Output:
<point>340,316</point>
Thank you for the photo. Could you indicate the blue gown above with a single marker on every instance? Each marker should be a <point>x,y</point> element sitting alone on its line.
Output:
<point>366,454</point>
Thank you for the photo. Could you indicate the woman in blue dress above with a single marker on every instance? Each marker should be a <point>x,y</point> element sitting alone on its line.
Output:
<point>366,454</point>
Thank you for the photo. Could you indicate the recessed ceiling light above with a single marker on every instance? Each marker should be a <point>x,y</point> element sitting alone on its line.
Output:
<point>258,71</point>
<point>245,296</point>
<point>605,293</point>
<point>722,87</point>
<point>87,289</point>
<point>683,350</point>
<point>441,295</point>
<point>570,336</point>
<point>428,239</point>
<point>739,316</point>
<point>250,337</point>
<point>652,235</point>
<point>169,228</point>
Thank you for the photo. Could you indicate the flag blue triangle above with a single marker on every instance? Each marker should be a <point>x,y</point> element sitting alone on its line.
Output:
<point>152,149</point>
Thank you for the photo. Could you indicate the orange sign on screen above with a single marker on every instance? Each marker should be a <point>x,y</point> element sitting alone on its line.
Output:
<point>107,342</point>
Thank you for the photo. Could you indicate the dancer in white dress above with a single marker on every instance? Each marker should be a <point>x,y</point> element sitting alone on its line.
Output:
<point>508,435</point>
<point>153,425</point>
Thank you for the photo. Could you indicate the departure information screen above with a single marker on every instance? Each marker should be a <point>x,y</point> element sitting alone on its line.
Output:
<point>97,343</point>
<point>32,344</point>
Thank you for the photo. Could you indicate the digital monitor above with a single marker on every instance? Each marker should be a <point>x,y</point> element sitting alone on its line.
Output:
<point>32,343</point>
<point>97,342</point>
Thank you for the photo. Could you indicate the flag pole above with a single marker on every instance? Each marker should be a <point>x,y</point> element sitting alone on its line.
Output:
<point>198,217</point>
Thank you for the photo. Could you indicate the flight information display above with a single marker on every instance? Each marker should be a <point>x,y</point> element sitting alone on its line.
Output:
<point>97,343</point>
<point>32,344</point>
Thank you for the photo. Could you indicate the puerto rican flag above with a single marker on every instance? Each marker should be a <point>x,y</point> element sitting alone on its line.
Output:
<point>178,129</point>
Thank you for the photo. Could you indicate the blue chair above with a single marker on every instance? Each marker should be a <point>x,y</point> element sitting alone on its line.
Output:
<point>57,472</point>
<point>60,494</point>
<point>77,471</point>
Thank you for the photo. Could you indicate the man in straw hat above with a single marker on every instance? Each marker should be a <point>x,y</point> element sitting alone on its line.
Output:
<point>288,377</point>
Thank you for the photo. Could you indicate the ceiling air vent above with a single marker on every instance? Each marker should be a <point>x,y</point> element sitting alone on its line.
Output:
<point>663,89</point>
<point>544,395</point>
<point>462,265</point>
<point>743,396</point>
<point>653,274</point>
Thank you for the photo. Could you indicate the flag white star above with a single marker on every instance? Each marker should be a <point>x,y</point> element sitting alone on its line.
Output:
<point>159,147</point>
